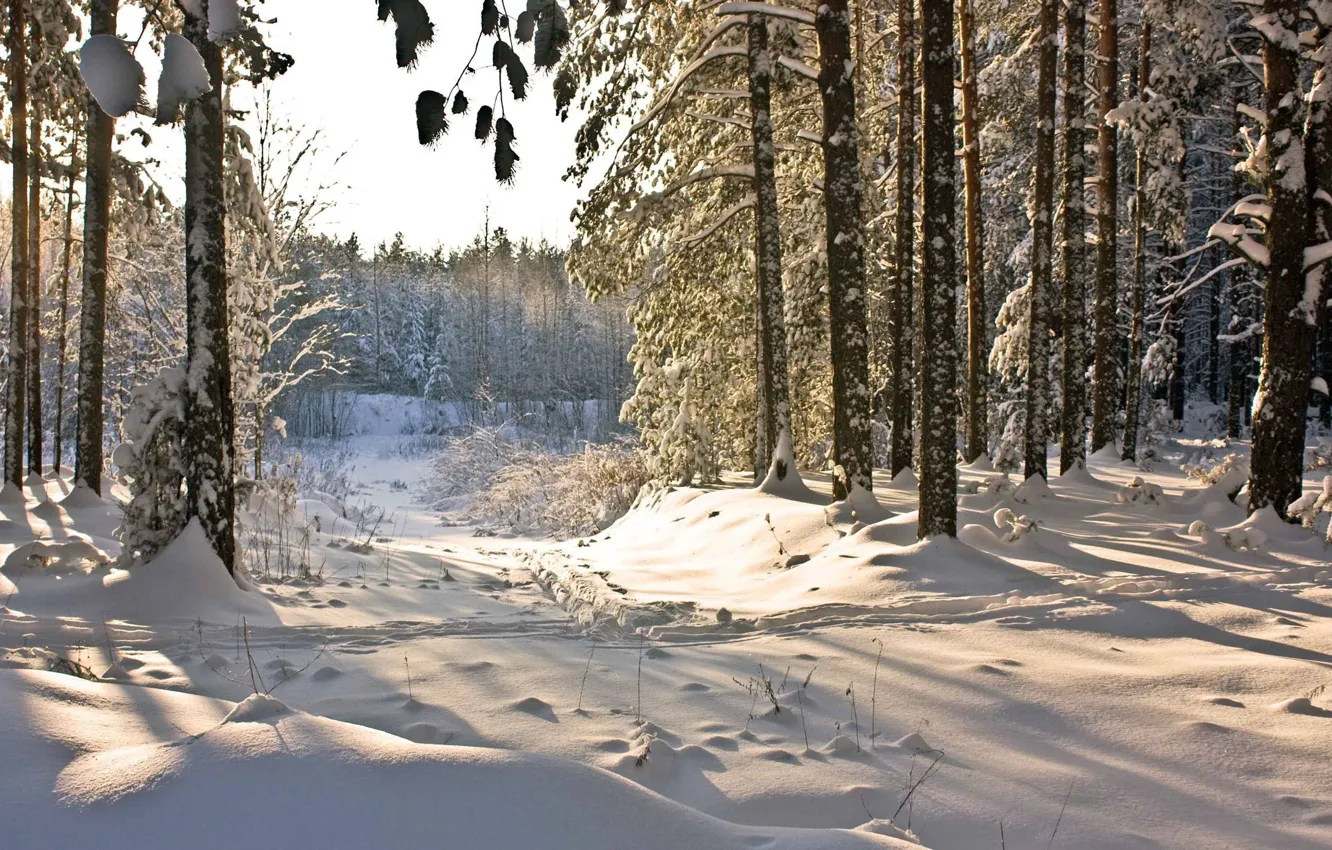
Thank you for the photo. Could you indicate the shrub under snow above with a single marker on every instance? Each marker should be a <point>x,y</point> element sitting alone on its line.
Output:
<point>522,487</point>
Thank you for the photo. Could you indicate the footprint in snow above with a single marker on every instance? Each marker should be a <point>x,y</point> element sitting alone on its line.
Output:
<point>337,603</point>
<point>694,687</point>
<point>722,742</point>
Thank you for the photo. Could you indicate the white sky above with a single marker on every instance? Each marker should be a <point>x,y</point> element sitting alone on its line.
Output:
<point>347,82</point>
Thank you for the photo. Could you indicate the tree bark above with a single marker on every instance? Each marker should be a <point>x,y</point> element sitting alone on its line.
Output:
<point>15,396</point>
<point>774,383</point>
<point>902,285</point>
<point>62,332</point>
<point>938,348</point>
<point>852,436</point>
<point>978,319</point>
<point>35,430</point>
<point>1318,140</point>
<point>210,423</point>
<point>1106,354</point>
<point>1041,294</point>
<point>92,322</point>
<point>1073,443</point>
<point>1133,387</point>
<point>1283,381</point>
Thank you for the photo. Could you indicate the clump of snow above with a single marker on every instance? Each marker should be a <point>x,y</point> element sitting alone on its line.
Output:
<point>113,75</point>
<point>184,77</point>
<point>1140,492</point>
<point>257,708</point>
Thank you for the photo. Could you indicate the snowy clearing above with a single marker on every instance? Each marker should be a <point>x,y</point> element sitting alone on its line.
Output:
<point>1166,684</point>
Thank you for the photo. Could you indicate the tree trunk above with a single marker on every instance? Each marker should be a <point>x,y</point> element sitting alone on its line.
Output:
<point>901,287</point>
<point>1283,381</point>
<point>35,430</point>
<point>92,322</point>
<point>776,401</point>
<point>848,319</point>
<point>62,332</point>
<point>15,396</point>
<point>938,344</point>
<point>1133,387</point>
<point>977,316</point>
<point>1318,151</point>
<point>1041,295</point>
<point>1106,354</point>
<point>210,423</point>
<point>1073,443</point>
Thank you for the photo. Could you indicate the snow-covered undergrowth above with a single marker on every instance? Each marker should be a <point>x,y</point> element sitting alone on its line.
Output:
<point>493,479</point>
<point>1141,672</point>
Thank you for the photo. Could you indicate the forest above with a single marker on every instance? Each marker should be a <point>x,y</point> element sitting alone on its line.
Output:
<point>919,434</point>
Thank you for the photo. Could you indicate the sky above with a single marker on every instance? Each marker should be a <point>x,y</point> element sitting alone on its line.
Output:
<point>347,83</point>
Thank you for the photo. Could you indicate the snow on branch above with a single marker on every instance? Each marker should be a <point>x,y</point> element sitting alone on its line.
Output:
<point>799,67</point>
<point>1238,238</point>
<point>768,9</point>
<point>748,202</point>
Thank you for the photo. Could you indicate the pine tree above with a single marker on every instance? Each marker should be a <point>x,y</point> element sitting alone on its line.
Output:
<point>62,323</point>
<point>15,398</point>
<point>209,418</point>
<point>1041,299</point>
<point>775,403</point>
<point>1106,349</point>
<point>842,190</point>
<point>1283,382</point>
<point>938,344</point>
<point>96,231</point>
<point>1138,293</point>
<point>902,288</point>
<point>977,317</point>
<point>34,298</point>
<point>1073,443</point>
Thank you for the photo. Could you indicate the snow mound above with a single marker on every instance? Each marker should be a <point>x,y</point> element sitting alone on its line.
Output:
<point>185,580</point>
<point>81,498</point>
<point>113,75</point>
<point>783,478</point>
<point>184,77</point>
<point>352,786</point>
<point>72,556</point>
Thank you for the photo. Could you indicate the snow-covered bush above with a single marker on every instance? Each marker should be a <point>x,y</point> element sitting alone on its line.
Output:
<point>1160,425</point>
<point>1310,507</point>
<point>1013,527</point>
<point>1319,456</point>
<point>152,461</point>
<point>1140,492</point>
<point>523,487</point>
<point>1229,475</point>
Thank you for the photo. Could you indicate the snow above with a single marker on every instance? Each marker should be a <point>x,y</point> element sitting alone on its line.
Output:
<point>184,77</point>
<point>1159,657</point>
<point>172,768</point>
<point>112,74</point>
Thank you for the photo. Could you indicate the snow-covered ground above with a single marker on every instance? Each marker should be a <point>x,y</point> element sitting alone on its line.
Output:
<point>1095,665</point>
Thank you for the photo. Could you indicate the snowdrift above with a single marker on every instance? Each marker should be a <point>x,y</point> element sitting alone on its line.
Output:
<point>268,775</point>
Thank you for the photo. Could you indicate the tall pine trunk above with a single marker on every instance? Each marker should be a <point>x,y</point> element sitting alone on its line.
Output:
<point>938,345</point>
<point>35,430</point>
<point>92,321</point>
<point>1073,443</point>
<point>901,287</point>
<point>977,316</point>
<point>62,327</point>
<point>1106,350</point>
<point>848,315</point>
<point>1041,295</point>
<point>1283,381</point>
<point>1318,168</point>
<point>15,396</point>
<point>210,423</point>
<point>775,403</point>
<point>1133,387</point>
